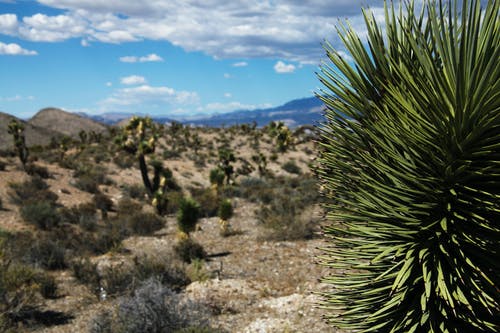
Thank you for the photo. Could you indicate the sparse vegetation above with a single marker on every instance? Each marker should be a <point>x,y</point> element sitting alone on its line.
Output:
<point>99,229</point>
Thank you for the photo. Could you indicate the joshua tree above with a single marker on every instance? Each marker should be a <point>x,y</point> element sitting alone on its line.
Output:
<point>16,129</point>
<point>282,135</point>
<point>139,137</point>
<point>226,157</point>
<point>261,162</point>
<point>411,161</point>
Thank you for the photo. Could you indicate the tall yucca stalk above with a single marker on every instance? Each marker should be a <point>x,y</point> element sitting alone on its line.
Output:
<point>411,162</point>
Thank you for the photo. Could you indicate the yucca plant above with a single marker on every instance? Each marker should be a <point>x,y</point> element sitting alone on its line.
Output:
<point>410,166</point>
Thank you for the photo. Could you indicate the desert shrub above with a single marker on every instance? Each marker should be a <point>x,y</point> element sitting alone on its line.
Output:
<point>103,203</point>
<point>21,287</point>
<point>33,190</point>
<point>196,271</point>
<point>87,183</point>
<point>42,214</point>
<point>3,164</point>
<point>412,155</point>
<point>86,272</point>
<point>208,200</point>
<point>217,176</point>
<point>124,161</point>
<point>142,223</point>
<point>135,191</point>
<point>47,285</point>
<point>283,201</point>
<point>85,215</point>
<point>152,308</point>
<point>284,219</point>
<point>117,279</point>
<point>198,329</point>
<point>37,170</point>
<point>126,206</point>
<point>166,269</point>
<point>291,167</point>
<point>225,211</point>
<point>188,215</point>
<point>174,199</point>
<point>47,253</point>
<point>188,250</point>
<point>88,178</point>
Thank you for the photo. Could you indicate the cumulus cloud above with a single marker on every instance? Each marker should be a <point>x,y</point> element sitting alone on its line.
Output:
<point>148,58</point>
<point>8,23</point>
<point>14,49</point>
<point>291,30</point>
<point>133,80</point>
<point>147,97</point>
<point>282,68</point>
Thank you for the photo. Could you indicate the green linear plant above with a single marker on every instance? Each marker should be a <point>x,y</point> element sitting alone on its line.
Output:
<point>410,161</point>
<point>139,137</point>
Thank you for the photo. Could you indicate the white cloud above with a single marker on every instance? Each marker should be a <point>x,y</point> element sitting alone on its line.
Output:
<point>227,76</point>
<point>14,49</point>
<point>148,96</point>
<point>290,30</point>
<point>240,64</point>
<point>109,84</point>
<point>8,23</point>
<point>148,58</point>
<point>84,43</point>
<point>133,80</point>
<point>228,95</point>
<point>282,68</point>
<point>44,28</point>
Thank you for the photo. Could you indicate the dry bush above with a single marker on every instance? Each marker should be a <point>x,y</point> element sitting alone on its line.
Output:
<point>152,308</point>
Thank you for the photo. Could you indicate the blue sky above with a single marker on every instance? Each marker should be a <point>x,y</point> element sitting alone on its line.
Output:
<point>164,57</point>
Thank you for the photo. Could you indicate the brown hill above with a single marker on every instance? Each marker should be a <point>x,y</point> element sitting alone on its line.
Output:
<point>35,135</point>
<point>65,122</point>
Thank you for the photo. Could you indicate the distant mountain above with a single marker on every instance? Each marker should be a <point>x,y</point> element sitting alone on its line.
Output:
<point>305,111</point>
<point>34,135</point>
<point>64,122</point>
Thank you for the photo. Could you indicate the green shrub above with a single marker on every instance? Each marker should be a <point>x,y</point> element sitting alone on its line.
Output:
<point>86,272</point>
<point>225,211</point>
<point>187,217</point>
<point>291,167</point>
<point>42,214</point>
<point>141,223</point>
<point>47,253</point>
<point>208,200</point>
<point>411,163</point>
<point>217,176</point>
<point>46,285</point>
<point>84,215</point>
<point>33,190</point>
<point>37,170</point>
<point>188,250</point>
<point>135,191</point>
<point>103,203</point>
